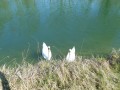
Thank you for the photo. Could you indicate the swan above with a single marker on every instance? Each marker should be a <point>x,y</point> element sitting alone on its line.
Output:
<point>71,55</point>
<point>46,52</point>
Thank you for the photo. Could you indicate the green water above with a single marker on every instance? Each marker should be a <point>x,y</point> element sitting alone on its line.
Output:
<point>92,26</point>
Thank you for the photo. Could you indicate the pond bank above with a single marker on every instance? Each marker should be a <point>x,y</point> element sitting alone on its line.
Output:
<point>83,74</point>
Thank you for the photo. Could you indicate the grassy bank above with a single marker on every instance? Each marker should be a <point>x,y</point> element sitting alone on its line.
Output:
<point>83,74</point>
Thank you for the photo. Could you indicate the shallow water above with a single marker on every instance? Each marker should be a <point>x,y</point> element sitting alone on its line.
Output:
<point>92,26</point>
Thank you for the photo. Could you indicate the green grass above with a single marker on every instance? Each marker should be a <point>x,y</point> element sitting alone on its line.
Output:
<point>82,74</point>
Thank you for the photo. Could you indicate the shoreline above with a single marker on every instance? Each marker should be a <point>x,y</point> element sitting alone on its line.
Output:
<point>93,73</point>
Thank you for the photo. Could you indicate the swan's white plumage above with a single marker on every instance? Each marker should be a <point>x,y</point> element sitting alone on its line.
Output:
<point>71,55</point>
<point>46,52</point>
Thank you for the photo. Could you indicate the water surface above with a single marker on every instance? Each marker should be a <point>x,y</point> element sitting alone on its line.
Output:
<point>92,26</point>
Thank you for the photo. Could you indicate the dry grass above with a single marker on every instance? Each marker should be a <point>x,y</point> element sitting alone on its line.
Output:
<point>87,74</point>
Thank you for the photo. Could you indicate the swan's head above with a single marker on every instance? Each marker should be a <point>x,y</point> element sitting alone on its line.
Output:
<point>44,44</point>
<point>73,49</point>
<point>49,47</point>
<point>70,50</point>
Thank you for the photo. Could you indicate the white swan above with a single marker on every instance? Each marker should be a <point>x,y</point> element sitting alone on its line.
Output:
<point>46,52</point>
<point>71,55</point>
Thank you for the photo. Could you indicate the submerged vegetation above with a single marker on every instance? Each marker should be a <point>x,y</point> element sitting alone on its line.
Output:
<point>95,73</point>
